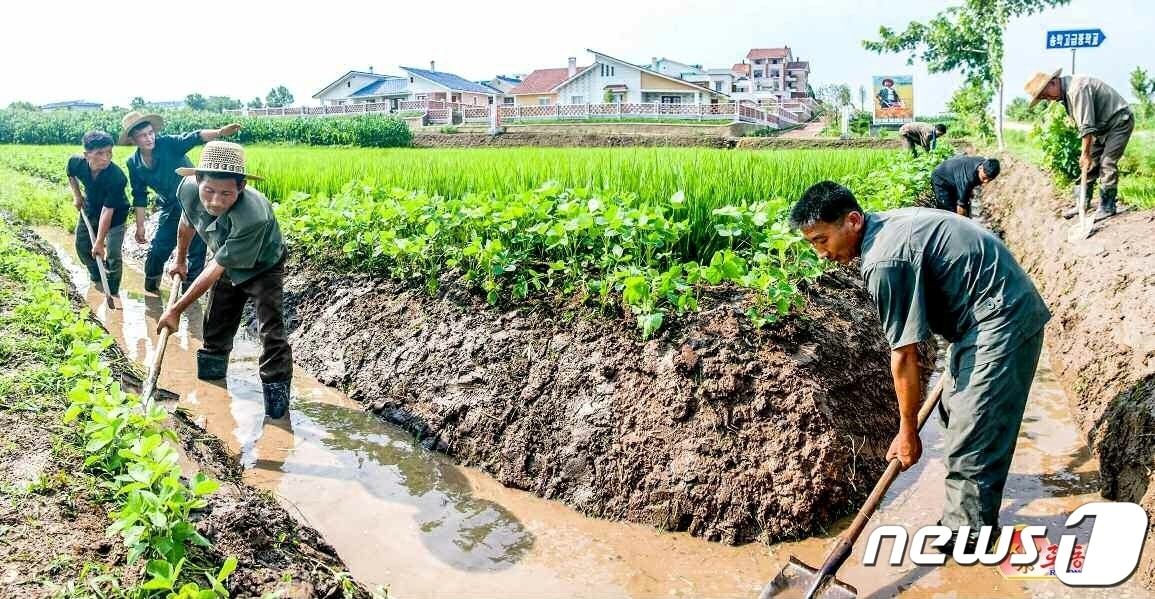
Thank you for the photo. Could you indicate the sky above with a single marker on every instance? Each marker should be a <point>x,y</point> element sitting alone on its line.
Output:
<point>112,51</point>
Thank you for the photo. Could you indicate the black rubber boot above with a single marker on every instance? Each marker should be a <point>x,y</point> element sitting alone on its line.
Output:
<point>152,284</point>
<point>1106,203</point>
<point>211,367</point>
<point>276,399</point>
<point>1073,211</point>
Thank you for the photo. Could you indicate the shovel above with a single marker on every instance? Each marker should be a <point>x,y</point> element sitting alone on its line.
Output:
<point>800,580</point>
<point>154,368</point>
<point>1086,225</point>
<point>99,262</point>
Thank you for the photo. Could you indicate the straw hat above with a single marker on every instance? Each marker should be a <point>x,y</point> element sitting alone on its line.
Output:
<point>220,157</point>
<point>134,118</point>
<point>1037,84</point>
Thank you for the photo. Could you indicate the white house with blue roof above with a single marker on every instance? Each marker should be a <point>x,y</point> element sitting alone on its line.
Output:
<point>428,84</point>
<point>360,87</point>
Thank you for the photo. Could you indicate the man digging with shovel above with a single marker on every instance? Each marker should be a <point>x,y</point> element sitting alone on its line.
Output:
<point>932,271</point>
<point>248,258</point>
<point>1105,123</point>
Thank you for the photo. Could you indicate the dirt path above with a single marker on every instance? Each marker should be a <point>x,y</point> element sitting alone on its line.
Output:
<point>1102,293</point>
<point>809,130</point>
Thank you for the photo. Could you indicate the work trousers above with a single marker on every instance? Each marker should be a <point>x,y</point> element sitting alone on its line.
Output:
<point>223,318</point>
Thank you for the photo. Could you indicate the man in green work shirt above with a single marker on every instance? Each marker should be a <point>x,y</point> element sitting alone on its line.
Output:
<point>248,258</point>
<point>932,271</point>
<point>154,165</point>
<point>1104,121</point>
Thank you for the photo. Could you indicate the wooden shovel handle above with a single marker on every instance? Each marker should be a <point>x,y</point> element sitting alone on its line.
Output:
<point>892,470</point>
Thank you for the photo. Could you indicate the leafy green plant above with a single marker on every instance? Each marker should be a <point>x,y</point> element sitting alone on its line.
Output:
<point>1060,143</point>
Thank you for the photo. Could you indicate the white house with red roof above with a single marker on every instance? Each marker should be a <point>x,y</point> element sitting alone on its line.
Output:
<point>771,75</point>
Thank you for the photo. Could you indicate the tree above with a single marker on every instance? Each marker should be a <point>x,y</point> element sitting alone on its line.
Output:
<point>222,103</point>
<point>21,105</point>
<point>138,103</point>
<point>844,95</point>
<point>278,97</point>
<point>256,103</point>
<point>966,38</point>
<point>196,102</point>
<point>1143,87</point>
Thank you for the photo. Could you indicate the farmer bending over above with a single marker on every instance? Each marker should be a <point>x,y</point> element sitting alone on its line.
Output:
<point>238,224</point>
<point>921,135</point>
<point>955,180</point>
<point>930,271</point>
<point>105,203</point>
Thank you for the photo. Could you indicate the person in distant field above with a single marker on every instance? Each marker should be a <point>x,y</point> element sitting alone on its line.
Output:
<point>921,135</point>
<point>154,165</point>
<point>887,96</point>
<point>929,271</point>
<point>104,200</point>
<point>1105,122</point>
<point>239,226</point>
<point>955,180</point>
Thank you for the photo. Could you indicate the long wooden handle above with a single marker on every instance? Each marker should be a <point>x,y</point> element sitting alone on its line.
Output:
<point>100,262</point>
<point>892,470</point>
<point>154,368</point>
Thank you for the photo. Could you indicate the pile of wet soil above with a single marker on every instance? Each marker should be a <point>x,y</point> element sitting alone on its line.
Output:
<point>1102,337</point>
<point>714,427</point>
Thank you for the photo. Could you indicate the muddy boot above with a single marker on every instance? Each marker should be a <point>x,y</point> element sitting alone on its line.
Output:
<point>152,285</point>
<point>1106,204</point>
<point>276,399</point>
<point>211,367</point>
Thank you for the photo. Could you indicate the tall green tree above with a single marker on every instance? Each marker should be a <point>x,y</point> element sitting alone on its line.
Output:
<point>1143,87</point>
<point>21,105</point>
<point>967,38</point>
<point>278,97</point>
<point>138,103</point>
<point>256,103</point>
<point>195,102</point>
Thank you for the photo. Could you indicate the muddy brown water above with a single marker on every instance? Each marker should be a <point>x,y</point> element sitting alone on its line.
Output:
<point>404,517</point>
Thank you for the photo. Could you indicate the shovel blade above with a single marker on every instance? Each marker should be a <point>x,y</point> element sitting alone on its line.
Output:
<point>797,580</point>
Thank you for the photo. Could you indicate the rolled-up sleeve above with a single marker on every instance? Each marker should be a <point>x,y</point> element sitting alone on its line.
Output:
<point>139,189</point>
<point>242,247</point>
<point>897,289</point>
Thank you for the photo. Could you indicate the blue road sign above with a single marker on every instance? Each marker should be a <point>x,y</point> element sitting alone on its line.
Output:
<point>1075,38</point>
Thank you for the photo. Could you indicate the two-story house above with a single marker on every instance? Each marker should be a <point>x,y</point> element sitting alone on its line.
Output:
<point>771,75</point>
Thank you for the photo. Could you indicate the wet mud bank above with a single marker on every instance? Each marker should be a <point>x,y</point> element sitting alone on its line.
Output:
<point>275,553</point>
<point>713,427</point>
<point>1102,337</point>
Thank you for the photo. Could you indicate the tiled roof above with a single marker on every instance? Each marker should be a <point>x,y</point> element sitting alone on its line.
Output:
<point>542,81</point>
<point>451,81</point>
<point>392,85</point>
<point>798,65</point>
<point>760,53</point>
<point>741,68</point>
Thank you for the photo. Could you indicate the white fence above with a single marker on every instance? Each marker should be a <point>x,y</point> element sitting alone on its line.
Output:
<point>784,114</point>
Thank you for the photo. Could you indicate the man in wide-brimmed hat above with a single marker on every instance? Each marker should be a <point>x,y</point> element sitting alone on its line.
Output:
<point>154,165</point>
<point>238,224</point>
<point>888,96</point>
<point>1104,121</point>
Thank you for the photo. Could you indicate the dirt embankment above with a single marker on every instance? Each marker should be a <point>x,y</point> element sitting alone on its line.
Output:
<point>52,522</point>
<point>1102,337</point>
<point>715,428</point>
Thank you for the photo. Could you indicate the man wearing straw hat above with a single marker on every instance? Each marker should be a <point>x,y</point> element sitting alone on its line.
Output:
<point>1104,121</point>
<point>248,258</point>
<point>104,201</point>
<point>154,165</point>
